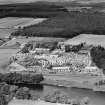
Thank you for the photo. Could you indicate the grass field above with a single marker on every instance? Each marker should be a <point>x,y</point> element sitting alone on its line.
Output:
<point>15,22</point>
<point>85,81</point>
<point>90,39</point>
<point>11,24</point>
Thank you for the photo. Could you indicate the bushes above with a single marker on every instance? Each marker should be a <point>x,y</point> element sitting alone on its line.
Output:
<point>59,97</point>
<point>7,92</point>
<point>5,89</point>
<point>23,93</point>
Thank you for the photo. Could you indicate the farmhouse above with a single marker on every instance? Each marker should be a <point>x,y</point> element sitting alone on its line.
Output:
<point>40,50</point>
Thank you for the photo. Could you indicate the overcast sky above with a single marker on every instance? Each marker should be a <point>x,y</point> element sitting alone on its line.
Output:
<point>20,1</point>
<point>25,1</point>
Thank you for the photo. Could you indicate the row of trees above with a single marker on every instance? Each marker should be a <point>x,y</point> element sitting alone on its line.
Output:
<point>16,78</point>
<point>74,48</point>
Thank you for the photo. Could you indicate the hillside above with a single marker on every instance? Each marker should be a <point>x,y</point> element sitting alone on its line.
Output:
<point>67,25</point>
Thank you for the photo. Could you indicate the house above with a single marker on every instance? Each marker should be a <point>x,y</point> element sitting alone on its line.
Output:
<point>93,70</point>
<point>40,50</point>
<point>63,69</point>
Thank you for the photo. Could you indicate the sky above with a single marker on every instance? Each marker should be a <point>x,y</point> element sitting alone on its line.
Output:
<point>26,1</point>
<point>20,1</point>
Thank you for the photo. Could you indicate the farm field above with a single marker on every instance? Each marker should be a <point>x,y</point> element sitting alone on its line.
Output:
<point>14,22</point>
<point>5,32</point>
<point>89,39</point>
<point>11,24</point>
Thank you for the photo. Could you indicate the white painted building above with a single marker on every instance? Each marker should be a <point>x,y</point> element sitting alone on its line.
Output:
<point>93,70</point>
<point>63,69</point>
<point>42,50</point>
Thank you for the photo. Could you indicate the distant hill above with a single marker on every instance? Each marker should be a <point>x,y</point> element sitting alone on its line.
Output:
<point>31,10</point>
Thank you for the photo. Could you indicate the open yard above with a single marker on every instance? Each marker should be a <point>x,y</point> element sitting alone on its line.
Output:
<point>5,55</point>
<point>85,81</point>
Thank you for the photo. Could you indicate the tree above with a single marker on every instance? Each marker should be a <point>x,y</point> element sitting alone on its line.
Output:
<point>23,93</point>
<point>98,56</point>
